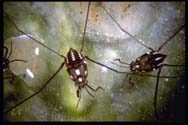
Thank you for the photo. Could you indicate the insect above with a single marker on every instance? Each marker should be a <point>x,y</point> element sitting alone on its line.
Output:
<point>75,63</point>
<point>149,61</point>
<point>7,62</point>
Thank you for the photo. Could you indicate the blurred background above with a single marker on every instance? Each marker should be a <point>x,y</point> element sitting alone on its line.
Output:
<point>60,26</point>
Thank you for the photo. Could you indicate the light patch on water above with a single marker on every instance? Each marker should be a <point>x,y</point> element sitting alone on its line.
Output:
<point>36,51</point>
<point>29,73</point>
<point>166,79</point>
<point>111,53</point>
<point>104,69</point>
<point>23,36</point>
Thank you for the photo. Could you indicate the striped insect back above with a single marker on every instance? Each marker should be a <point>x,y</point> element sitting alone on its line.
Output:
<point>76,67</point>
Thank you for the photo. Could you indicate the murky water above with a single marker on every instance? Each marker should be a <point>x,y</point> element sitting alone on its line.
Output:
<point>60,26</point>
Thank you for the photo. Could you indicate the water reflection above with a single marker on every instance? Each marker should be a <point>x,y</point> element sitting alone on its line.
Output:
<point>29,73</point>
<point>36,51</point>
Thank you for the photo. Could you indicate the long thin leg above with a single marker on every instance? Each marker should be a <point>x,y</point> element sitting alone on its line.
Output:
<point>85,27</point>
<point>7,77</point>
<point>33,37</point>
<point>12,75</point>
<point>6,51</point>
<point>89,92</point>
<point>114,70</point>
<point>120,65</point>
<point>94,89</point>
<point>121,61</point>
<point>130,82</point>
<point>155,95</point>
<point>21,60</point>
<point>125,30</point>
<point>37,92</point>
<point>78,102</point>
<point>172,65</point>
<point>124,81</point>
<point>173,35</point>
<point>10,50</point>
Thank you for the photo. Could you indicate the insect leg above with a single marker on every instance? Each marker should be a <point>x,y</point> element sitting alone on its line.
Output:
<point>37,92</point>
<point>85,27</point>
<point>6,51</point>
<point>125,30</point>
<point>155,94</point>
<point>114,70</point>
<point>14,24</point>
<point>124,81</point>
<point>89,92</point>
<point>171,65</point>
<point>21,60</point>
<point>78,102</point>
<point>10,50</point>
<point>173,35</point>
<point>12,75</point>
<point>105,66</point>
<point>130,82</point>
<point>7,77</point>
<point>94,89</point>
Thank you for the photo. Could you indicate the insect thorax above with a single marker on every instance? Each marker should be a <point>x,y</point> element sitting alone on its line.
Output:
<point>76,67</point>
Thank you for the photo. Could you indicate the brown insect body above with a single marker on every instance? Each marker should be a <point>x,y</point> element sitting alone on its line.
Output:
<point>147,62</point>
<point>77,69</point>
<point>5,63</point>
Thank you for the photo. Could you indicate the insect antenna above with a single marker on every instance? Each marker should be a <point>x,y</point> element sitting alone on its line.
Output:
<point>120,65</point>
<point>32,37</point>
<point>121,62</point>
<point>171,37</point>
<point>125,30</point>
<point>37,92</point>
<point>83,38</point>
